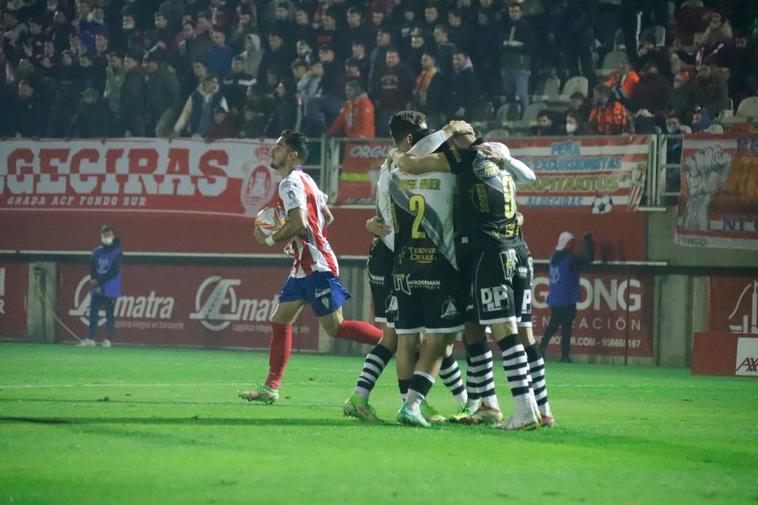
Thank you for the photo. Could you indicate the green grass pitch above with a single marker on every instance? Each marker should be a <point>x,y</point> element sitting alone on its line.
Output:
<point>154,426</point>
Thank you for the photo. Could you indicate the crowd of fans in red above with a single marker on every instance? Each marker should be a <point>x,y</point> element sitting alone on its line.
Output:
<point>251,68</point>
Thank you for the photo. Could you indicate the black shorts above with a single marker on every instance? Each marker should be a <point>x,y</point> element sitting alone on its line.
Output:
<point>492,288</point>
<point>427,297</point>
<point>380,278</point>
<point>467,257</point>
<point>522,285</point>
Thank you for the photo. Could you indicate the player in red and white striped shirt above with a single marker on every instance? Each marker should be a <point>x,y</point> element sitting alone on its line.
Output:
<point>314,276</point>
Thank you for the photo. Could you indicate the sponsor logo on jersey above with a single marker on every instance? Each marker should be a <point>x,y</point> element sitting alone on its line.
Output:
<point>217,304</point>
<point>322,292</point>
<point>150,306</point>
<point>405,284</point>
<point>449,310</point>
<point>494,299</point>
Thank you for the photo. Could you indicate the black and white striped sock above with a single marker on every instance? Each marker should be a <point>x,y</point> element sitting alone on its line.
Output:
<point>480,379</point>
<point>373,366</point>
<point>539,385</point>
<point>450,373</point>
<point>418,390</point>
<point>515,365</point>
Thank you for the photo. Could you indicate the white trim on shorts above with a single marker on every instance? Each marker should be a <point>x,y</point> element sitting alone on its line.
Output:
<point>380,320</point>
<point>511,319</point>
<point>410,331</point>
<point>527,324</point>
<point>424,329</point>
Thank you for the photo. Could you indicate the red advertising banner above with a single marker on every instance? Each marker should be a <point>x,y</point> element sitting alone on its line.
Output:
<point>360,171</point>
<point>14,278</point>
<point>188,305</point>
<point>185,176</point>
<point>718,202</point>
<point>733,305</point>
<point>614,314</point>
<point>596,175</point>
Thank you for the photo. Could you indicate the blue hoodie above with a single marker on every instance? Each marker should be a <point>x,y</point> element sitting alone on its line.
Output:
<point>105,268</point>
<point>564,275</point>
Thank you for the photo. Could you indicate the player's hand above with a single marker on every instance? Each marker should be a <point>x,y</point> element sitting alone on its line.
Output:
<point>520,218</point>
<point>259,236</point>
<point>375,226</point>
<point>494,151</point>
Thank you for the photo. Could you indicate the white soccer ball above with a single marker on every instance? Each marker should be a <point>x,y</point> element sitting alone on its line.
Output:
<point>602,204</point>
<point>270,219</point>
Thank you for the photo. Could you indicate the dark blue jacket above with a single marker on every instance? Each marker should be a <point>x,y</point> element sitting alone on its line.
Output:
<point>564,275</point>
<point>105,268</point>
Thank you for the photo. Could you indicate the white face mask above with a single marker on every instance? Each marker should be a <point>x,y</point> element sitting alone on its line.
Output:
<point>570,127</point>
<point>107,241</point>
<point>672,129</point>
<point>127,26</point>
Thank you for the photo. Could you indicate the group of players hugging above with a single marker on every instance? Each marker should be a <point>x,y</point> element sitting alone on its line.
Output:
<point>448,257</point>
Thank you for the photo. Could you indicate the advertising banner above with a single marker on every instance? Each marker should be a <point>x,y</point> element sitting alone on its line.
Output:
<point>189,305</point>
<point>14,278</point>
<point>596,175</point>
<point>733,304</point>
<point>718,202</point>
<point>614,315</point>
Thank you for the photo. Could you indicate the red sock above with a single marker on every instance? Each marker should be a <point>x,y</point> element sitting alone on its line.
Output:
<point>278,353</point>
<point>358,331</point>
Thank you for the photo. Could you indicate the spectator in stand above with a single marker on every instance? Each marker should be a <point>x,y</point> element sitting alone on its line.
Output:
<point>717,33</point>
<point>356,118</point>
<point>327,33</point>
<point>651,93</point>
<point>360,56</point>
<point>29,112</point>
<point>416,51</point>
<point>236,84</point>
<point>222,126</point>
<point>444,48</point>
<point>429,92</point>
<point>161,37</point>
<point>577,37</point>
<point>304,51</point>
<point>378,18</point>
<point>680,98</point>
<point>60,31</point>
<point>710,90</point>
<point>327,106</point>
<point>219,60</point>
<point>68,88</point>
<point>277,58</point>
<point>219,14</point>
<point>162,96</point>
<point>622,82</point>
<point>196,118</point>
<point>130,39</point>
<point>196,44</point>
<point>309,85</point>
<point>741,59</point>
<point>379,54</point>
<point>299,69</point>
<point>82,22</point>
<point>282,23</point>
<point>356,26</point>
<point>516,48</point>
<point>649,53</point>
<point>674,130</point>
<point>407,25</point>
<point>287,113</point>
<point>576,124</point>
<point>459,32</point>
<point>303,29</point>
<point>353,70</point>
<point>244,29</point>
<point>252,54</point>
<point>548,124</point>
<point>691,18</point>
<point>114,81</point>
<point>463,89</point>
<point>7,93</point>
<point>484,55</point>
<point>432,16</point>
<point>393,88</point>
<point>92,119</point>
<point>253,123</point>
<point>579,104</point>
<point>607,117</point>
<point>132,99</point>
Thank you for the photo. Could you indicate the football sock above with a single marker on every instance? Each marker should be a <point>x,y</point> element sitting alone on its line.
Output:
<point>480,379</point>
<point>539,385</point>
<point>403,385</point>
<point>373,366</point>
<point>358,331</point>
<point>450,373</point>
<point>279,351</point>
<point>420,386</point>
<point>515,365</point>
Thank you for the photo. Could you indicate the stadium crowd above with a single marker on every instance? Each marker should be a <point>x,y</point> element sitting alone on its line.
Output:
<point>251,68</point>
